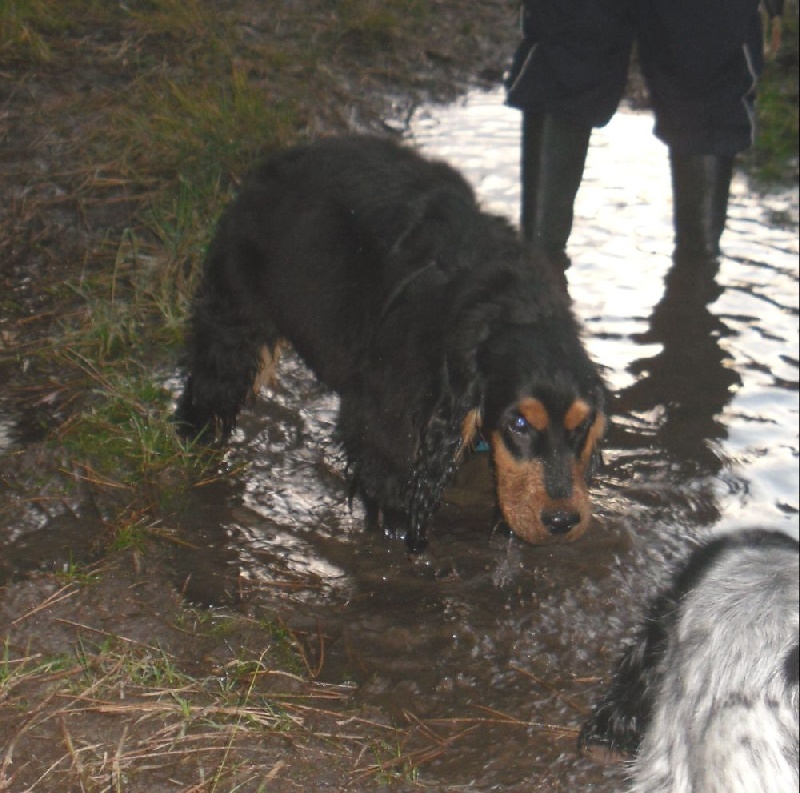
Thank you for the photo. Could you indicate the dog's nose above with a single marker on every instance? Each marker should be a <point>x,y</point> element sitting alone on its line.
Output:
<point>560,521</point>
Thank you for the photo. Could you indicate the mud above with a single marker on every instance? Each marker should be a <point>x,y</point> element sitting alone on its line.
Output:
<point>484,631</point>
<point>486,651</point>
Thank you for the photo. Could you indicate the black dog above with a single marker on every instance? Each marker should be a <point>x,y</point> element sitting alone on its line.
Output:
<point>429,318</point>
<point>708,693</point>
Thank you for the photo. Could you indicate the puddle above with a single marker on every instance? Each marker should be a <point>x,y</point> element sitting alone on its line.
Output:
<point>484,625</point>
<point>712,393</point>
<point>498,645</point>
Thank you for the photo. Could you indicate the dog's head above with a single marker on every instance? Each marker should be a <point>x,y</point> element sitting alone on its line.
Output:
<point>543,416</point>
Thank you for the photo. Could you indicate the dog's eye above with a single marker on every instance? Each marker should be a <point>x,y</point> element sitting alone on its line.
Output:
<point>519,424</point>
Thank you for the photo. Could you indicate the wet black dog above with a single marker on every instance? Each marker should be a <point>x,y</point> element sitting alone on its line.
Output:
<point>427,316</point>
<point>708,693</point>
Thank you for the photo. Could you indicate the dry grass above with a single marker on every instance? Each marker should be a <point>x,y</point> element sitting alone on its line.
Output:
<point>126,712</point>
<point>114,712</point>
<point>125,128</point>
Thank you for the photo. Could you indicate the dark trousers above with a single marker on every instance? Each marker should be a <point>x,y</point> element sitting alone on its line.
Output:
<point>700,58</point>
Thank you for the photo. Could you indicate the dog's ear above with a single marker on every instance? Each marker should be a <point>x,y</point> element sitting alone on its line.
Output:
<point>440,445</point>
<point>459,399</point>
<point>463,343</point>
<point>596,463</point>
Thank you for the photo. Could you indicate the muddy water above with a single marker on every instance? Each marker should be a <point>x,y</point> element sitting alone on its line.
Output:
<point>496,647</point>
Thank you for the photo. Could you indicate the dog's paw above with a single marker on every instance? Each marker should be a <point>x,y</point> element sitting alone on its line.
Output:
<point>610,733</point>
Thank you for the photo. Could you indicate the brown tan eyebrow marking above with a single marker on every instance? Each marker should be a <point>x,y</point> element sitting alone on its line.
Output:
<point>578,413</point>
<point>535,413</point>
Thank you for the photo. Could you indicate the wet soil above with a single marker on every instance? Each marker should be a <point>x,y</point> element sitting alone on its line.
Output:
<point>468,668</point>
<point>58,214</point>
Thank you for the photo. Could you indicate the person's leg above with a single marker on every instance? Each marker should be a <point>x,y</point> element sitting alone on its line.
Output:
<point>701,62</point>
<point>568,76</point>
<point>700,188</point>
<point>553,155</point>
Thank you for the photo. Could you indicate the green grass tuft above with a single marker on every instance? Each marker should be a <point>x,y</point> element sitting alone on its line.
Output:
<point>774,157</point>
<point>199,132</point>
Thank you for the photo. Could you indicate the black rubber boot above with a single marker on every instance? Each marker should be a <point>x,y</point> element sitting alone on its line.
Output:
<point>700,187</point>
<point>553,155</point>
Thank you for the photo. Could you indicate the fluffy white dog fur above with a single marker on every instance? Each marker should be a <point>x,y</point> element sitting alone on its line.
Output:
<point>710,690</point>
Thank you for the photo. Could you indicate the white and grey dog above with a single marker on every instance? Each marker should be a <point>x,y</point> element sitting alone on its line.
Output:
<point>707,697</point>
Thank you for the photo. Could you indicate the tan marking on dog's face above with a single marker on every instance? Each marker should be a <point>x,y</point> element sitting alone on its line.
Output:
<point>535,413</point>
<point>522,495</point>
<point>469,430</point>
<point>578,413</point>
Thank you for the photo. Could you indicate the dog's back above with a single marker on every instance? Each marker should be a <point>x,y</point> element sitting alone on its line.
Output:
<point>303,238</point>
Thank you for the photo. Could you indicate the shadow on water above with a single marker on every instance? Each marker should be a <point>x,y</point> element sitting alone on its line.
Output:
<point>494,648</point>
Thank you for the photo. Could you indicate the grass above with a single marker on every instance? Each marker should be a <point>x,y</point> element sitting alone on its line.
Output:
<point>374,25</point>
<point>26,26</point>
<point>118,713</point>
<point>170,102</point>
<point>774,157</point>
<point>76,573</point>
<point>197,133</point>
<point>160,716</point>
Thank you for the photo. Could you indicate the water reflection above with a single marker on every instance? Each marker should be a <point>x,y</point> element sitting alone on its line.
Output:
<point>686,385</point>
<point>705,368</point>
<point>685,348</point>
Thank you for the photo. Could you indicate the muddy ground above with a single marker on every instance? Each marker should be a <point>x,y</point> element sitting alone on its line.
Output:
<point>120,671</point>
<point>104,659</point>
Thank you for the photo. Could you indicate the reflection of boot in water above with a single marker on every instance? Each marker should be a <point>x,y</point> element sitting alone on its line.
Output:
<point>553,156</point>
<point>690,379</point>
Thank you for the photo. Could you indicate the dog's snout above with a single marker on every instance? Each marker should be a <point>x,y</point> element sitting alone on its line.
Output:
<point>560,521</point>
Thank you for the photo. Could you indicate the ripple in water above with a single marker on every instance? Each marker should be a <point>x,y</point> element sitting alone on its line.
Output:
<point>495,644</point>
<point>708,394</point>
